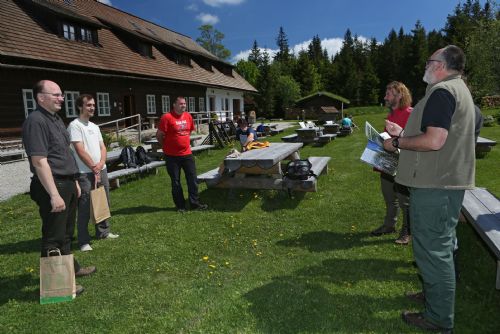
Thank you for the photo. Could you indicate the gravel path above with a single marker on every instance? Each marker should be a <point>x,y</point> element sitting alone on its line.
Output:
<point>15,178</point>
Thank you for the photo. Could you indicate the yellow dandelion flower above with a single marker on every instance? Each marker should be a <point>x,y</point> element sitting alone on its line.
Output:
<point>205,258</point>
<point>212,266</point>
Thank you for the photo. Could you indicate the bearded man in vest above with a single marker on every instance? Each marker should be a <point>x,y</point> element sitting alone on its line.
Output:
<point>437,163</point>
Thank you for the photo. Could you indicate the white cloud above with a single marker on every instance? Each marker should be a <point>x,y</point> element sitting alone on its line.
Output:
<point>218,3</point>
<point>106,2</point>
<point>205,18</point>
<point>193,7</point>
<point>332,46</point>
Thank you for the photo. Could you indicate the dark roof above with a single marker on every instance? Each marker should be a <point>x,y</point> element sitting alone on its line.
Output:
<point>329,110</point>
<point>328,94</point>
<point>23,35</point>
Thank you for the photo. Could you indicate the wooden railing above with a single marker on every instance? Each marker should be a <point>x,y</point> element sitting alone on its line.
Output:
<point>119,129</point>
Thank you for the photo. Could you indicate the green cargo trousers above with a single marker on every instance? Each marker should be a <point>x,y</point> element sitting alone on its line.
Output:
<point>434,216</point>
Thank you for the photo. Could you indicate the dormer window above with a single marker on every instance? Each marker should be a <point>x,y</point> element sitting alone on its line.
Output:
<point>145,49</point>
<point>69,31</point>
<point>74,32</point>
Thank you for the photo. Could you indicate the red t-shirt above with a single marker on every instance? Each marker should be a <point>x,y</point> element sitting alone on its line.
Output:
<point>177,129</point>
<point>399,116</point>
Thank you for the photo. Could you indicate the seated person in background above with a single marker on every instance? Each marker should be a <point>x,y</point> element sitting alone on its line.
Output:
<point>245,134</point>
<point>346,122</point>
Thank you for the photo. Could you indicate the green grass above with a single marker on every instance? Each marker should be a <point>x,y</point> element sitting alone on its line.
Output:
<point>257,262</point>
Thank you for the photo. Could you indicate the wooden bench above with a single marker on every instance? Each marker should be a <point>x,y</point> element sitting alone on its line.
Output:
<point>7,156</point>
<point>483,146</point>
<point>200,148</point>
<point>482,211</point>
<point>326,138</point>
<point>115,175</point>
<point>290,138</point>
<point>319,166</point>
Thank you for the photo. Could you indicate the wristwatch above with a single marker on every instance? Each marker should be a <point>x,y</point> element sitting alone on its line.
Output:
<point>395,142</point>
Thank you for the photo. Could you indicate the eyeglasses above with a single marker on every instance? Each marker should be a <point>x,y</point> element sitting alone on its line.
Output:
<point>431,60</point>
<point>56,95</point>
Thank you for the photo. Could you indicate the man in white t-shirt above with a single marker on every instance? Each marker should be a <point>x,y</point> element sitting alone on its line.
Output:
<point>90,154</point>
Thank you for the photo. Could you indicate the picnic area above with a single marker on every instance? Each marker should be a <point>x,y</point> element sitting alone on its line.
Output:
<point>258,261</point>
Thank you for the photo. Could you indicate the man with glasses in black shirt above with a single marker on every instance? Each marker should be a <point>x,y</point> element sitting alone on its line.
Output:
<point>53,186</point>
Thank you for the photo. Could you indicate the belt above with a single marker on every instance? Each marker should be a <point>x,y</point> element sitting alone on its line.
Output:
<point>71,177</point>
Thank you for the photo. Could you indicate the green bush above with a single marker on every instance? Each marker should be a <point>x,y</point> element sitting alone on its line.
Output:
<point>488,121</point>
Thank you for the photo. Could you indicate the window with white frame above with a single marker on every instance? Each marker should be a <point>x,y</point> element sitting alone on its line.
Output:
<point>192,104</point>
<point>165,103</point>
<point>69,31</point>
<point>103,105</point>
<point>151,104</point>
<point>201,104</point>
<point>70,103</point>
<point>29,101</point>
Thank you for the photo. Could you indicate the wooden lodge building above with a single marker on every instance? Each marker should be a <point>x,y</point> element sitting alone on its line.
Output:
<point>131,66</point>
<point>323,106</point>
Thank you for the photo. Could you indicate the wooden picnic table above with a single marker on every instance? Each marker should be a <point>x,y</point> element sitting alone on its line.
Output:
<point>331,128</point>
<point>484,145</point>
<point>264,158</point>
<point>261,169</point>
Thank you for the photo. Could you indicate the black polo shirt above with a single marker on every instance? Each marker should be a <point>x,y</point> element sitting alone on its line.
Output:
<point>45,135</point>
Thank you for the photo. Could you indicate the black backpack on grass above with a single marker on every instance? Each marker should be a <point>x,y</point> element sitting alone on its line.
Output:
<point>141,156</point>
<point>299,169</point>
<point>127,157</point>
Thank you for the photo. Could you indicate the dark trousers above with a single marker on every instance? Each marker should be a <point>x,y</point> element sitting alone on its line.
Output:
<point>87,181</point>
<point>57,227</point>
<point>174,166</point>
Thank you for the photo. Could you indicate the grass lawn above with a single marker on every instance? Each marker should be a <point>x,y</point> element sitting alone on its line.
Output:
<point>256,262</point>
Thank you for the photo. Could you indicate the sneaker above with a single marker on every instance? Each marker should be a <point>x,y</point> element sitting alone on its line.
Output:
<point>382,230</point>
<point>79,289</point>
<point>86,271</point>
<point>85,248</point>
<point>402,240</point>
<point>418,320</point>
<point>199,206</point>
<point>111,236</point>
<point>418,297</point>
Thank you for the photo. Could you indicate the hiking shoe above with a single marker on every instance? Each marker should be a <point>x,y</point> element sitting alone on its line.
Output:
<point>85,248</point>
<point>79,289</point>
<point>417,319</point>
<point>199,206</point>
<point>111,236</point>
<point>402,240</point>
<point>181,210</point>
<point>382,230</point>
<point>86,271</point>
<point>418,297</point>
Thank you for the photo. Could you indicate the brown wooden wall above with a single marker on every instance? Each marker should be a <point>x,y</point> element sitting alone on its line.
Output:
<point>12,81</point>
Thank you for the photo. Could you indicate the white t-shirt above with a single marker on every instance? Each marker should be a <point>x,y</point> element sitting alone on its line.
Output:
<point>90,135</point>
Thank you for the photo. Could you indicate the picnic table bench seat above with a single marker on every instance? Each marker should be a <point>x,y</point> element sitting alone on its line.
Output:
<point>115,175</point>
<point>200,148</point>
<point>482,210</point>
<point>290,138</point>
<point>12,155</point>
<point>484,145</point>
<point>319,166</point>
<point>327,137</point>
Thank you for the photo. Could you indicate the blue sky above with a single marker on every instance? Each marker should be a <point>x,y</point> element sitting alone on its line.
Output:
<point>243,21</point>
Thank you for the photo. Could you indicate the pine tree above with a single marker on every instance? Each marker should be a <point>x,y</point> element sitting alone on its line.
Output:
<point>211,40</point>
<point>283,54</point>
<point>255,56</point>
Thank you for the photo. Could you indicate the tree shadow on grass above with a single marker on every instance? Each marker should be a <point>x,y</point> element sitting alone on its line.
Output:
<point>324,241</point>
<point>24,246</point>
<point>140,210</point>
<point>19,288</point>
<point>290,305</point>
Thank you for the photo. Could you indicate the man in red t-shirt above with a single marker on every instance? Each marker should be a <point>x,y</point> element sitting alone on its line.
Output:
<point>398,99</point>
<point>174,136</point>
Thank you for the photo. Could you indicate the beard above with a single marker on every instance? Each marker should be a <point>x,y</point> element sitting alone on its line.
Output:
<point>428,76</point>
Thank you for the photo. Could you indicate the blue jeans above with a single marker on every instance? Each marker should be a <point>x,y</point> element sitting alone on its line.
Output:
<point>102,229</point>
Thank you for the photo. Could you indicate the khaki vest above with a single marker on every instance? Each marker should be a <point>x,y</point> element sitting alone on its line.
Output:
<point>453,166</point>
